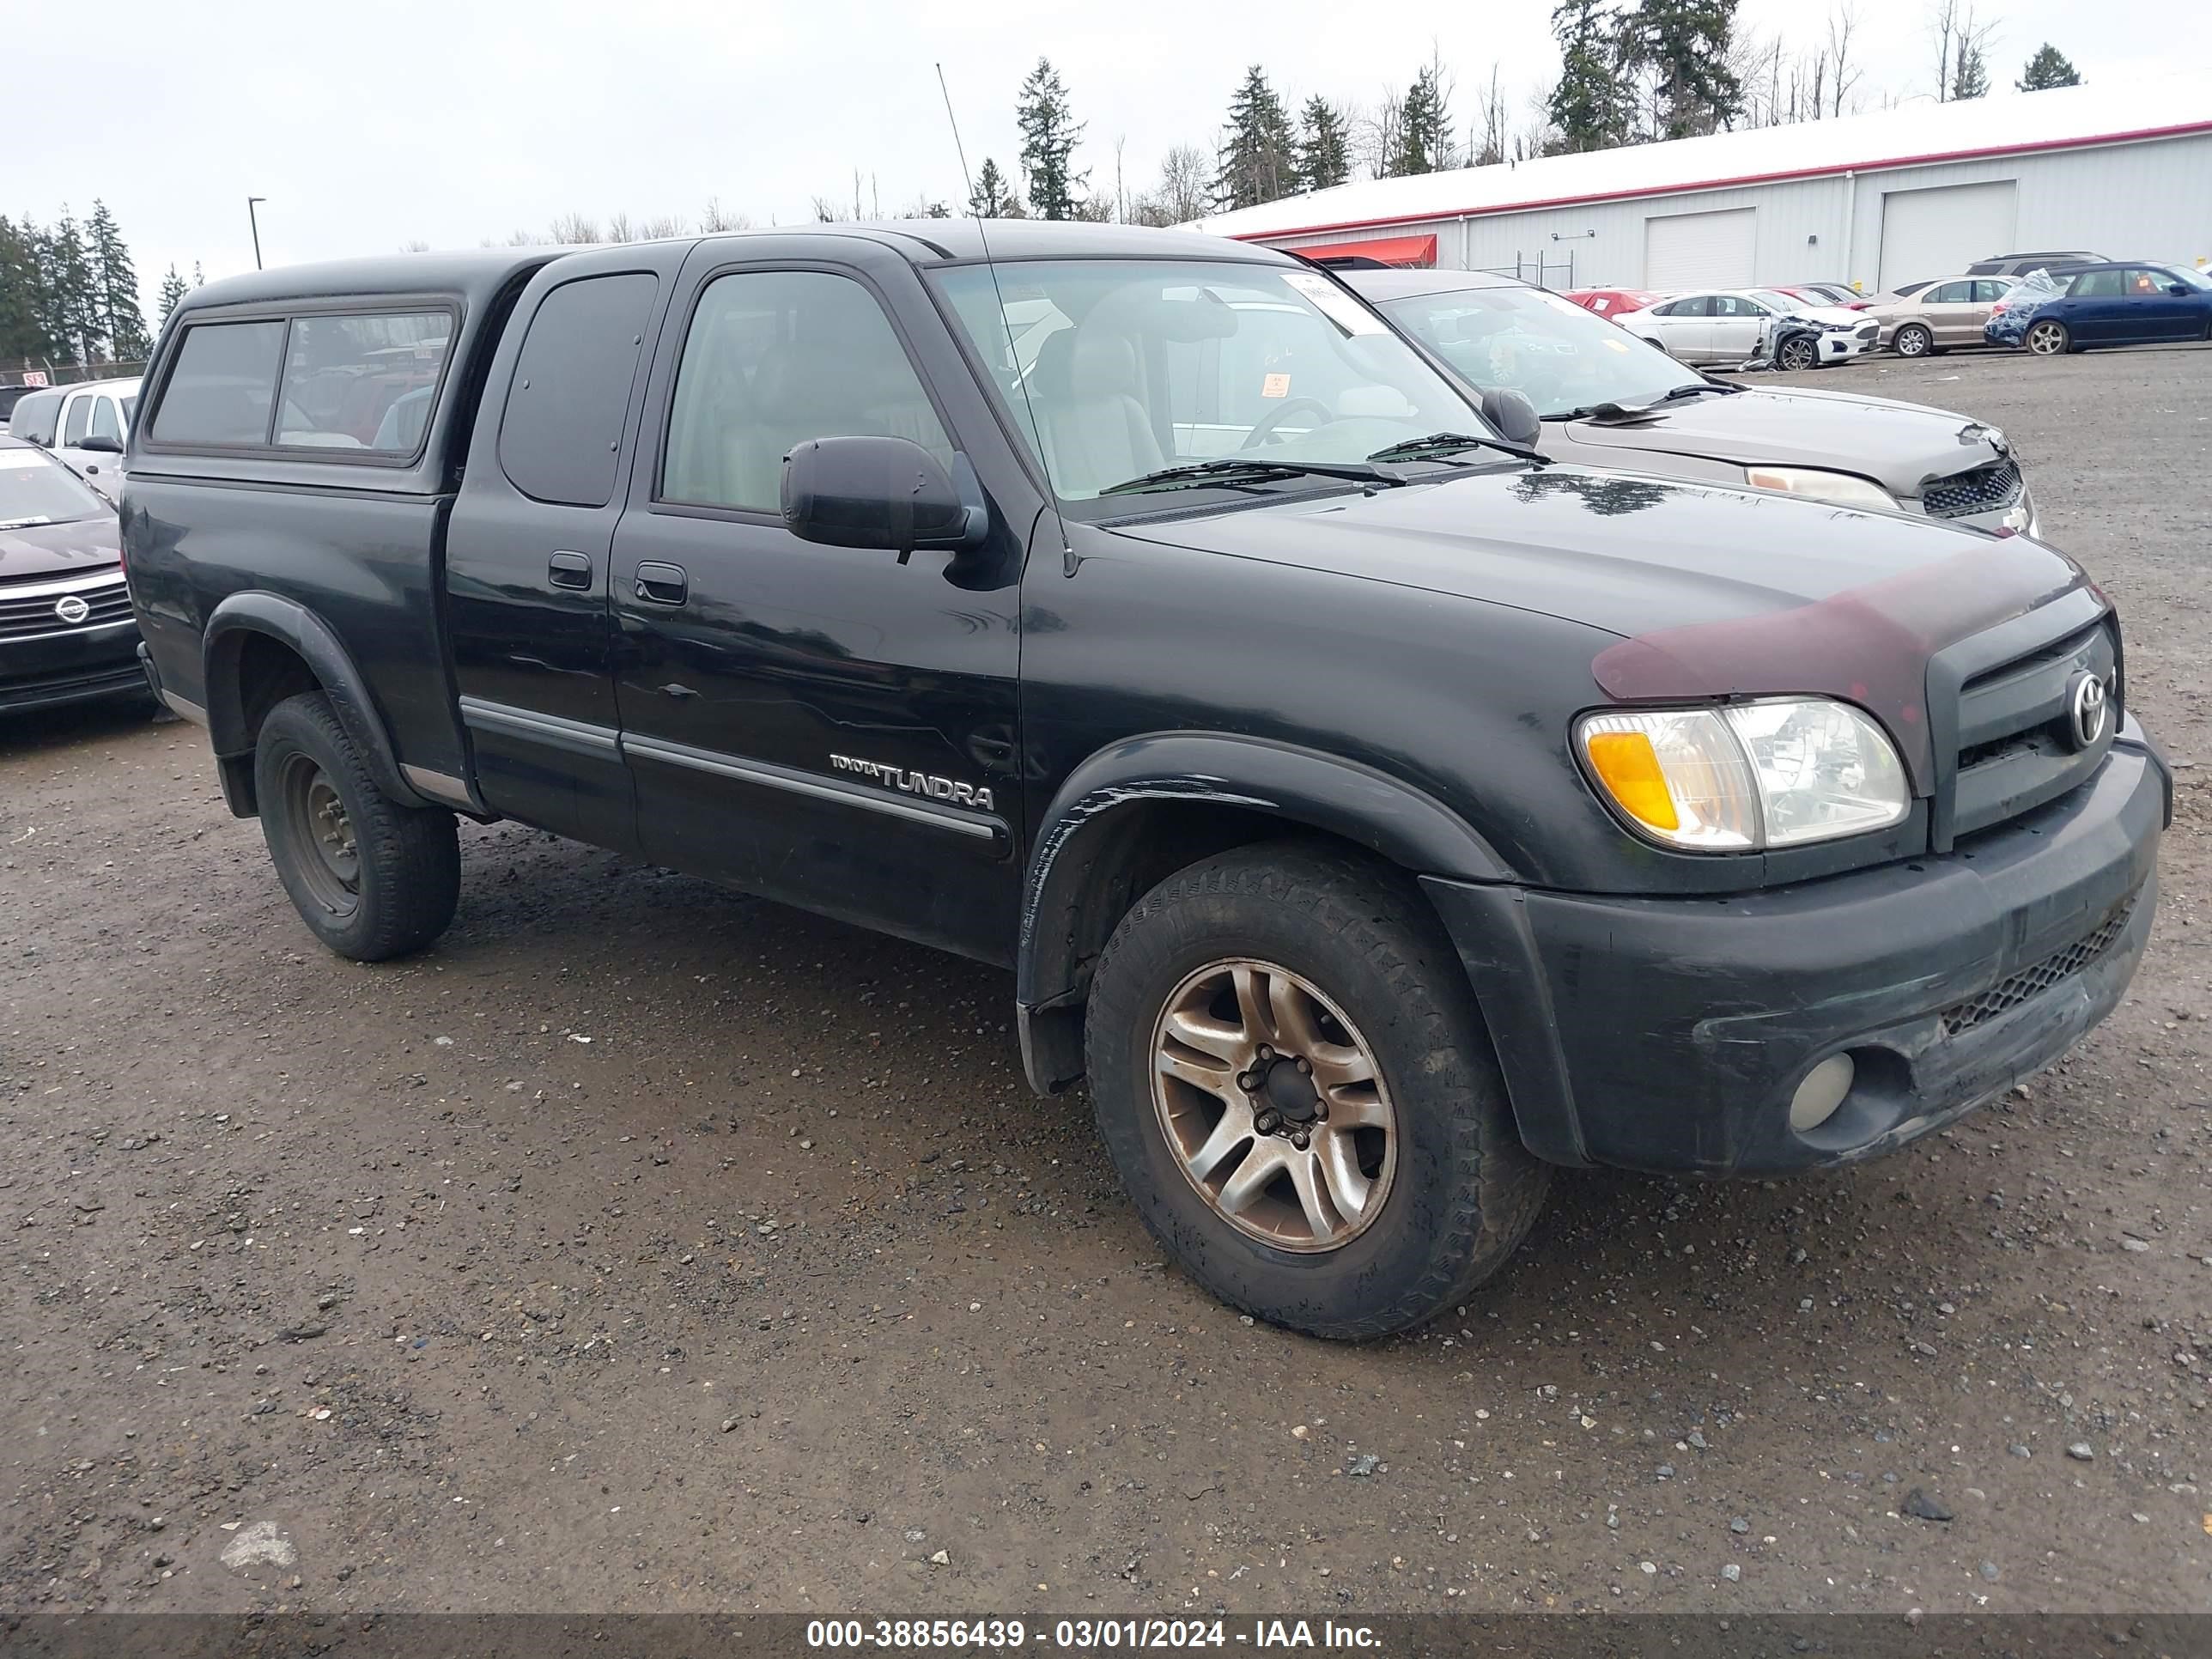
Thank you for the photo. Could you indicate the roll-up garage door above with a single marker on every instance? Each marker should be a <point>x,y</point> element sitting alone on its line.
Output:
<point>1939,233</point>
<point>1700,250</point>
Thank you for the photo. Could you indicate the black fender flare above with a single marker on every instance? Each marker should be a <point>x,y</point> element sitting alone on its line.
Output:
<point>1324,792</point>
<point>291,624</point>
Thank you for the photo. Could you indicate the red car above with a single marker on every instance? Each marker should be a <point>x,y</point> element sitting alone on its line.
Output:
<point>1610,301</point>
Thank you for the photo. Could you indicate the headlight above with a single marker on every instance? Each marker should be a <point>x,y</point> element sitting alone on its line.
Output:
<point>1843,488</point>
<point>1747,776</point>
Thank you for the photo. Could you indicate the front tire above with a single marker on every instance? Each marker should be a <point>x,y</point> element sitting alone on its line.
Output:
<point>371,877</point>
<point>1797,353</point>
<point>1292,1080</point>
<point>2048,339</point>
<point>1912,340</point>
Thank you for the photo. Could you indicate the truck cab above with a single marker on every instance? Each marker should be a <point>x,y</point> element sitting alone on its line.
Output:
<point>1374,813</point>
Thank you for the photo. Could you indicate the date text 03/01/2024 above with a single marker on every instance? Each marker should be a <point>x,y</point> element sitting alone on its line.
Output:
<point>1084,1634</point>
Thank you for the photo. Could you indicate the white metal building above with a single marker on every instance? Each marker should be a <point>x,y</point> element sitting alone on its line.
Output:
<point>1916,191</point>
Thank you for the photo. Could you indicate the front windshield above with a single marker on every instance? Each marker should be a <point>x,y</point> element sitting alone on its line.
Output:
<point>1115,369</point>
<point>1562,358</point>
<point>2193,277</point>
<point>35,491</point>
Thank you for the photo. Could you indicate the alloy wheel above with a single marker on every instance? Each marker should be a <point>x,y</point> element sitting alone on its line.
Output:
<point>1273,1105</point>
<point>1796,353</point>
<point>2046,339</point>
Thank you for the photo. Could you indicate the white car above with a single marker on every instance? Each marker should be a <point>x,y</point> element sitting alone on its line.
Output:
<point>83,427</point>
<point>1729,326</point>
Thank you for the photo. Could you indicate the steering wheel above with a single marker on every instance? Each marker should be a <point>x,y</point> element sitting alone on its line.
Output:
<point>1265,432</point>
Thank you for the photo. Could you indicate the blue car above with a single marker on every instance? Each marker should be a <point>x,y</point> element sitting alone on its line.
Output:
<point>2073,307</point>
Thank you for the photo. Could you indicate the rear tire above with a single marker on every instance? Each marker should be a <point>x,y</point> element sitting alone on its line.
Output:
<point>372,878</point>
<point>1414,1186</point>
<point>1912,340</point>
<point>2048,339</point>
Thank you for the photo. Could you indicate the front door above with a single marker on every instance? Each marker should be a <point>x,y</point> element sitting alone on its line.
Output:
<point>834,727</point>
<point>1737,324</point>
<point>526,554</point>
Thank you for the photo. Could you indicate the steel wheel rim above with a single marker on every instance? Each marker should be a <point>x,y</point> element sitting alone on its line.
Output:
<point>1911,342</point>
<point>1234,1043</point>
<point>1796,353</point>
<point>323,830</point>
<point>2042,339</point>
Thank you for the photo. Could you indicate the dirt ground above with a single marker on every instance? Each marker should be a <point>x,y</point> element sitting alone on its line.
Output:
<point>643,1246</point>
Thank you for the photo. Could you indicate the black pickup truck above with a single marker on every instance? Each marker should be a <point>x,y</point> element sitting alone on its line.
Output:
<point>1375,813</point>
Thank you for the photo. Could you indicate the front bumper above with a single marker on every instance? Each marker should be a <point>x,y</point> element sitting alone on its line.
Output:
<point>1668,1034</point>
<point>79,666</point>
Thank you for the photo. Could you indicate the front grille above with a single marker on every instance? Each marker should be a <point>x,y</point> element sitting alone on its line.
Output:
<point>2015,746</point>
<point>2009,993</point>
<point>1983,490</point>
<point>29,615</point>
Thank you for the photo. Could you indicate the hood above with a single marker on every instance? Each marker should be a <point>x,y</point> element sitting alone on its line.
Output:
<point>60,550</point>
<point>1834,316</point>
<point>1714,592</point>
<point>1900,445</point>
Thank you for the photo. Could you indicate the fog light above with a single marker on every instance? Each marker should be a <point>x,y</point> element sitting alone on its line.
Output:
<point>1821,1092</point>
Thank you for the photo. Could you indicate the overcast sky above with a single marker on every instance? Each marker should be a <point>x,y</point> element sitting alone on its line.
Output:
<point>369,127</point>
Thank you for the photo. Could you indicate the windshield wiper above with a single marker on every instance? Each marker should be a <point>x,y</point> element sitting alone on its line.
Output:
<point>1229,471</point>
<point>1620,412</point>
<point>1695,389</point>
<point>1446,443</point>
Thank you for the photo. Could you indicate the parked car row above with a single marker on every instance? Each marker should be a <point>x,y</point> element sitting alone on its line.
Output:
<point>2048,303</point>
<point>84,426</point>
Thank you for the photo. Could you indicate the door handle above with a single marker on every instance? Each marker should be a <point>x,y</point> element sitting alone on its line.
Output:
<point>662,584</point>
<point>569,570</point>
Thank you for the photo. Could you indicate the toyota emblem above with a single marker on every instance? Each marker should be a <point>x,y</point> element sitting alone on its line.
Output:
<point>72,609</point>
<point>2086,707</point>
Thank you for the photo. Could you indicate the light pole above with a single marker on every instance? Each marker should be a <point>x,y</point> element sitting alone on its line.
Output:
<point>250,202</point>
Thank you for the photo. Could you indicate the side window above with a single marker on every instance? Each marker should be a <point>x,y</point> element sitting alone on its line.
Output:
<point>1951,294</point>
<point>223,385</point>
<point>79,416</point>
<point>773,358</point>
<point>103,423</point>
<point>361,382</point>
<point>1989,293</point>
<point>2143,284</point>
<point>560,438</point>
<point>1732,305</point>
<point>2096,285</point>
<point>37,418</point>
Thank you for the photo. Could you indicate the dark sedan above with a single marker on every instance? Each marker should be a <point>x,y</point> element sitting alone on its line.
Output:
<point>2073,309</point>
<point>66,632</point>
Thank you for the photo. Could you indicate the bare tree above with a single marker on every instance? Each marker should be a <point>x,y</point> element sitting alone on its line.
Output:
<point>620,229</point>
<point>1843,77</point>
<point>1376,133</point>
<point>1960,39</point>
<point>1488,133</point>
<point>824,210</point>
<point>661,226</point>
<point>574,230</point>
<point>413,247</point>
<point>713,219</point>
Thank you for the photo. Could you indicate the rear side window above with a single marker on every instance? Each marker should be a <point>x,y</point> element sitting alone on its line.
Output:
<point>78,418</point>
<point>223,386</point>
<point>362,382</point>
<point>560,439</point>
<point>37,418</point>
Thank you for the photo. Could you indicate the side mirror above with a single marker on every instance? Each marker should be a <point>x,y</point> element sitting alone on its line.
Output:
<point>888,493</point>
<point>99,443</point>
<point>1512,415</point>
<point>2179,290</point>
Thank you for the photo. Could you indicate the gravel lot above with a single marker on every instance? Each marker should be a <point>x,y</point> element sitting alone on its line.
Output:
<point>647,1247</point>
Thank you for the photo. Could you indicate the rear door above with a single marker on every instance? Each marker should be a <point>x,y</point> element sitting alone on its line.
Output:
<point>2095,306</point>
<point>1683,327</point>
<point>832,727</point>
<point>1950,310</point>
<point>527,550</point>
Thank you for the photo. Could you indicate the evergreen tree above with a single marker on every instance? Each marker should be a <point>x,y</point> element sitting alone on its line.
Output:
<point>1259,157</point>
<point>1593,105</point>
<point>199,279</point>
<point>75,292</point>
<point>1424,127</point>
<point>22,316</point>
<point>173,290</point>
<point>115,288</point>
<point>993,196</point>
<point>1324,146</point>
<point>1969,78</point>
<point>1050,135</point>
<point>2048,68</point>
<point>1686,45</point>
